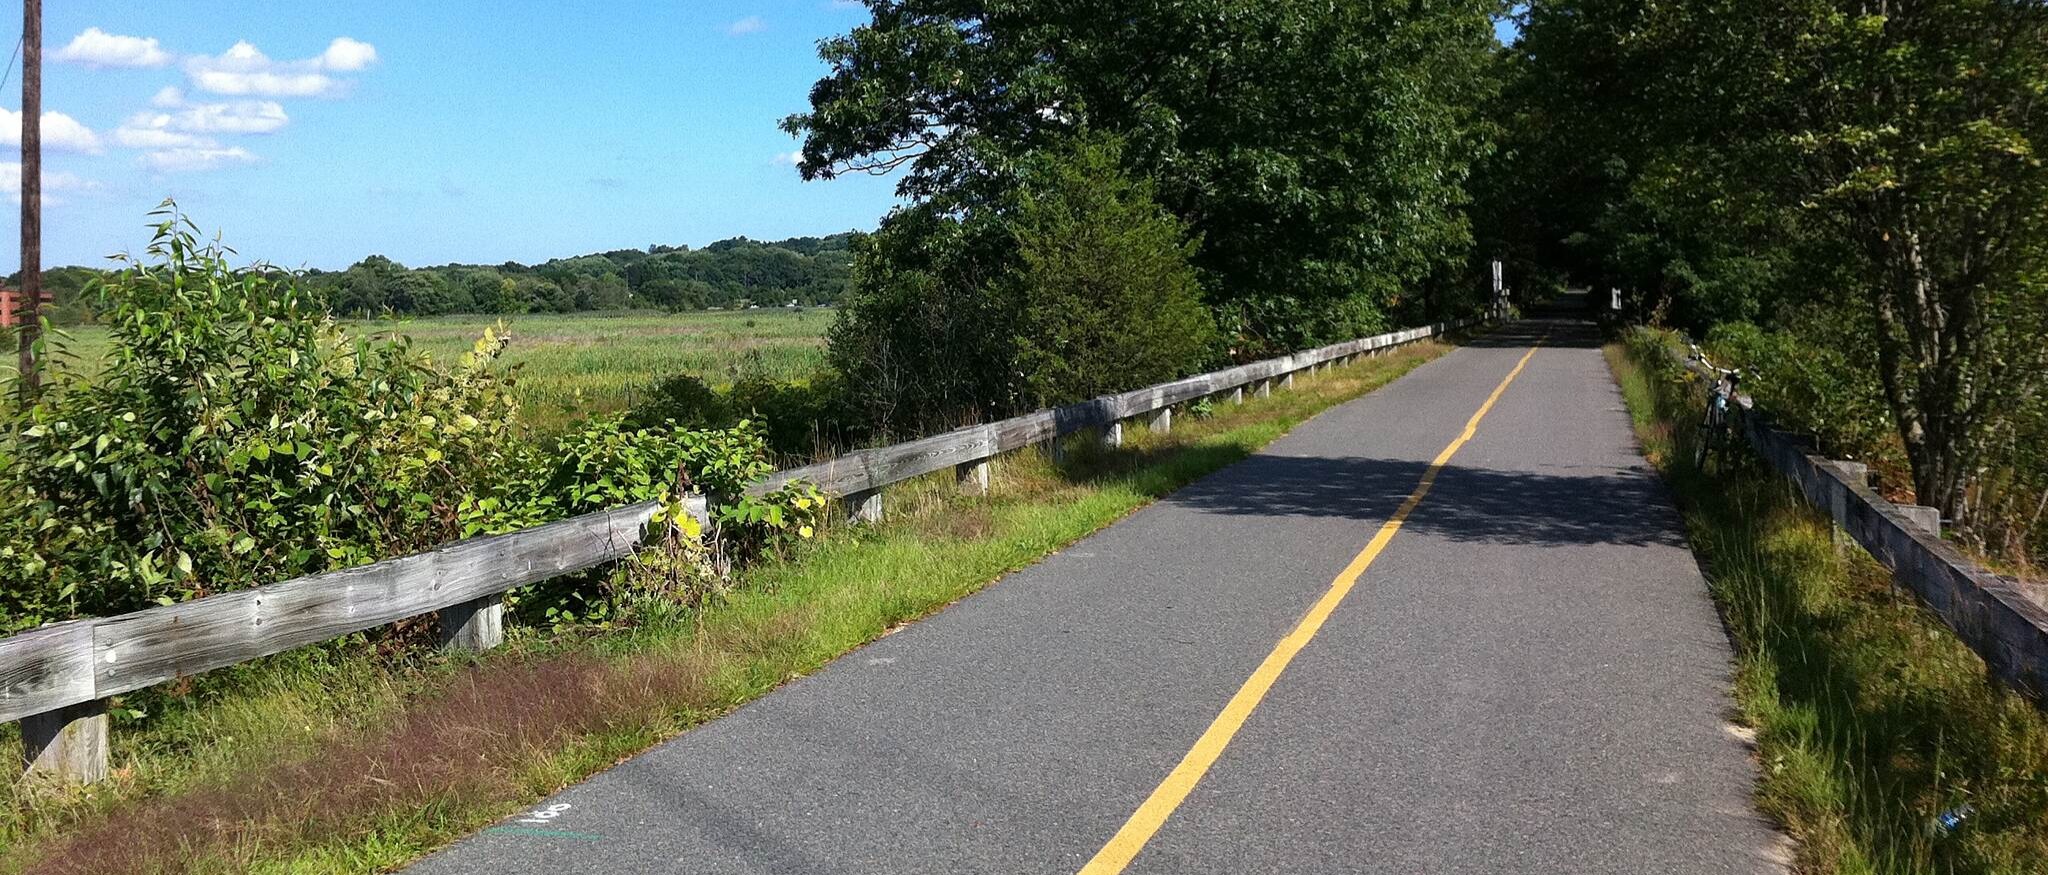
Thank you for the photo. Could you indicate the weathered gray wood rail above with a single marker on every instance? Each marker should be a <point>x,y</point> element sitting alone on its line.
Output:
<point>1988,612</point>
<point>56,679</point>
<point>860,474</point>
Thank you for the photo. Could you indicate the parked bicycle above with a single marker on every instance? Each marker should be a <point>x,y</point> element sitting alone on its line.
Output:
<point>1717,427</point>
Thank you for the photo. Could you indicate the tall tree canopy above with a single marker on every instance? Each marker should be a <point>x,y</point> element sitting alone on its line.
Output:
<point>1862,176</point>
<point>1318,150</point>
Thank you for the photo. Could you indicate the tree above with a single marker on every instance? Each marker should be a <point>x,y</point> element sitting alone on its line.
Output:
<point>362,288</point>
<point>1077,284</point>
<point>925,335</point>
<point>415,292</point>
<point>1107,298</point>
<point>1865,175</point>
<point>602,292</point>
<point>1318,150</point>
<point>1908,136</point>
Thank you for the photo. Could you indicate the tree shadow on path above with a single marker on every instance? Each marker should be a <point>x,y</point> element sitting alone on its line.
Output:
<point>1561,506</point>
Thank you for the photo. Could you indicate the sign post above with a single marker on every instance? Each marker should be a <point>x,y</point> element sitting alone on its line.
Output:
<point>1500,292</point>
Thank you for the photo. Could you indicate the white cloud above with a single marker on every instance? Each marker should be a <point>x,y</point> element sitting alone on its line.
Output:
<point>239,117</point>
<point>266,84</point>
<point>190,158</point>
<point>790,158</point>
<point>348,55</point>
<point>180,129</point>
<point>236,117</point>
<point>60,181</point>
<point>243,70</point>
<point>61,132</point>
<point>173,140</point>
<point>747,25</point>
<point>145,136</point>
<point>98,48</point>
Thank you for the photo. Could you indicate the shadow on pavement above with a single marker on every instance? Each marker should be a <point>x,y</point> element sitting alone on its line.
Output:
<point>1562,333</point>
<point>1568,506</point>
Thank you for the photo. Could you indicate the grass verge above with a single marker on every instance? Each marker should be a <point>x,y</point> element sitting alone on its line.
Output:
<point>347,760</point>
<point>1871,717</point>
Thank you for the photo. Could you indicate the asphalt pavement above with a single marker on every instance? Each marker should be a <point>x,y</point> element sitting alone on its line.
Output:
<point>1528,676</point>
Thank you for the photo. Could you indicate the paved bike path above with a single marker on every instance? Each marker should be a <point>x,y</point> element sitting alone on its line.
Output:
<point>1529,678</point>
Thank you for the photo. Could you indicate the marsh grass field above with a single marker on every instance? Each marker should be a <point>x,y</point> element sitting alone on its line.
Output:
<point>591,363</point>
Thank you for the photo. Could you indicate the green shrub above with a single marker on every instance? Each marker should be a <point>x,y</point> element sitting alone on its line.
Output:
<point>1072,283</point>
<point>603,463</point>
<point>234,436</point>
<point>798,421</point>
<point>1811,387</point>
<point>1108,300</point>
<point>683,399</point>
<point>801,421</point>
<point>924,338</point>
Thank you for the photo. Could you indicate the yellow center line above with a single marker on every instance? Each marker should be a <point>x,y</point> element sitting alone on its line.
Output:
<point>1145,822</point>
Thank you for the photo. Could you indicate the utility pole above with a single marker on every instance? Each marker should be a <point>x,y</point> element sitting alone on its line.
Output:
<point>30,304</point>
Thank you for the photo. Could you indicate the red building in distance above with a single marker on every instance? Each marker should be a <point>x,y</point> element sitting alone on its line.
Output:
<point>9,300</point>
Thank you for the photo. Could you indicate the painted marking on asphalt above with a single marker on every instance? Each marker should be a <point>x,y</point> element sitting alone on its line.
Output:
<point>543,815</point>
<point>1153,812</point>
<point>546,833</point>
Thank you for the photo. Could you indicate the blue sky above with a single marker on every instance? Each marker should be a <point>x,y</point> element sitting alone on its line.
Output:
<point>432,132</point>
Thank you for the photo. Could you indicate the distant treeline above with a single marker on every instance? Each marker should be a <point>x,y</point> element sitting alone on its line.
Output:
<point>733,273</point>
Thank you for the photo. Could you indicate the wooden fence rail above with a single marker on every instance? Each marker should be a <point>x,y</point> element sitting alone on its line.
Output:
<point>1988,612</point>
<point>56,679</point>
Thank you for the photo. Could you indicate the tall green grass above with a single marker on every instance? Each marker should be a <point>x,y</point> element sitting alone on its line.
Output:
<point>357,759</point>
<point>1871,717</point>
<point>576,364</point>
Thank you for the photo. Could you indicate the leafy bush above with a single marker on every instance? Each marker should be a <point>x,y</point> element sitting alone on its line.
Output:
<point>798,420</point>
<point>924,339</point>
<point>236,436</point>
<point>1811,387</point>
<point>683,399</point>
<point>604,463</point>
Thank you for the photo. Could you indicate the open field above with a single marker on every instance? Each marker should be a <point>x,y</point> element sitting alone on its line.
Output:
<point>595,362</point>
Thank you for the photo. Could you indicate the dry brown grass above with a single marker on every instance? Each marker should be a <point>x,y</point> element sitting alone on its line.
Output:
<point>473,740</point>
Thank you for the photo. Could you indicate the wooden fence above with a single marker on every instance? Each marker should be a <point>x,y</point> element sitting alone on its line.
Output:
<point>1990,613</point>
<point>56,679</point>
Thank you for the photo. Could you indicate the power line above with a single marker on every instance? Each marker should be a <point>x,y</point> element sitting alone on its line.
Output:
<point>10,62</point>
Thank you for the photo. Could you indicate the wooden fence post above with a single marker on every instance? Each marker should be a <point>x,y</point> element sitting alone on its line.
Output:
<point>1925,517</point>
<point>1265,388</point>
<point>474,625</point>
<point>864,507</point>
<point>1113,434</point>
<point>1287,382</point>
<point>1858,473</point>
<point>69,743</point>
<point>1237,395</point>
<point>973,477</point>
<point>1162,421</point>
